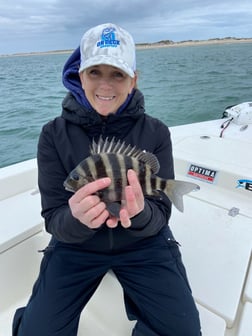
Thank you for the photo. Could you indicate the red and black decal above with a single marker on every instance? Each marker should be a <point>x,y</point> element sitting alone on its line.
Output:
<point>202,173</point>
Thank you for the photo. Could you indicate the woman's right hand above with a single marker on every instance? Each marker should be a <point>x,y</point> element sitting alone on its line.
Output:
<point>87,207</point>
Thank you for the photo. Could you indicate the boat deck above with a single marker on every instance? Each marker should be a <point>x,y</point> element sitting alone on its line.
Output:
<point>215,233</point>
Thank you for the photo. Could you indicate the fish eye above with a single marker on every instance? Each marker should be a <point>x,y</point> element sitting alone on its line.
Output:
<point>75,177</point>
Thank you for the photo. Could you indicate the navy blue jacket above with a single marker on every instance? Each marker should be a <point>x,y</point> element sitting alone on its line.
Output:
<point>65,141</point>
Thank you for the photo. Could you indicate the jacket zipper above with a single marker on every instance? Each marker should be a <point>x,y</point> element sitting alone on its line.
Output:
<point>111,239</point>
<point>104,124</point>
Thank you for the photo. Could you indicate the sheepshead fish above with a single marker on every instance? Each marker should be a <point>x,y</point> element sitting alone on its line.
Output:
<point>113,159</point>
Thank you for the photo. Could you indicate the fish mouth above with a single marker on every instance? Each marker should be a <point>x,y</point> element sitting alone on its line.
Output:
<point>68,188</point>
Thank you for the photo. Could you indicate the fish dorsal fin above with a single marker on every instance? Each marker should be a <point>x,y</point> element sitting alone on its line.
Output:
<point>151,160</point>
<point>118,147</point>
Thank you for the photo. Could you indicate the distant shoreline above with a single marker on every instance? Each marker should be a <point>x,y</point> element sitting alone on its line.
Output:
<point>140,46</point>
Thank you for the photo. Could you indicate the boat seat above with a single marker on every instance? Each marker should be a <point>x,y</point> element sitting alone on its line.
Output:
<point>25,205</point>
<point>108,308</point>
<point>19,267</point>
<point>19,198</point>
<point>245,328</point>
<point>18,178</point>
<point>211,324</point>
<point>108,318</point>
<point>213,253</point>
<point>105,313</point>
<point>248,288</point>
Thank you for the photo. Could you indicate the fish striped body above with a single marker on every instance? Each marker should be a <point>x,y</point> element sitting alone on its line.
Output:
<point>113,159</point>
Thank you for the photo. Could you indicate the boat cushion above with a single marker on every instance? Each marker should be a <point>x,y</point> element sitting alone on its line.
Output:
<point>213,253</point>
<point>245,328</point>
<point>20,218</point>
<point>248,288</point>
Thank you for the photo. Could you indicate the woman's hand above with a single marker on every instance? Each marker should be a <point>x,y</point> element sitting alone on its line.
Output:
<point>87,207</point>
<point>91,211</point>
<point>134,202</point>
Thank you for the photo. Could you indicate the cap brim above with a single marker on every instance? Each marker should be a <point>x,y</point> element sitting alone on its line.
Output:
<point>107,60</point>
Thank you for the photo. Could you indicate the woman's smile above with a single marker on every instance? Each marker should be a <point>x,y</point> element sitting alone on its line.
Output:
<point>105,98</point>
<point>106,87</point>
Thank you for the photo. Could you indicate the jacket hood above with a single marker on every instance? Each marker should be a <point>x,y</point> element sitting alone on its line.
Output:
<point>71,80</point>
<point>94,124</point>
<point>79,114</point>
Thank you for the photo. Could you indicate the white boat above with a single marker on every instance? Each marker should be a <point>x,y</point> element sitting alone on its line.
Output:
<point>215,233</point>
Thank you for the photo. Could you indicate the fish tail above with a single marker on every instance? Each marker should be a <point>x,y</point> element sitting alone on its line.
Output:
<point>176,189</point>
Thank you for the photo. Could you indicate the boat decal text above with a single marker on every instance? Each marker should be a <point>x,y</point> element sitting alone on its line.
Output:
<point>246,184</point>
<point>202,173</point>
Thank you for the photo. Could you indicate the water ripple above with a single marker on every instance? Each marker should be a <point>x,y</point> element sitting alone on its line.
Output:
<point>181,85</point>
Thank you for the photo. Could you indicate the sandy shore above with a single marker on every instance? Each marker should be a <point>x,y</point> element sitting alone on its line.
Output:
<point>161,44</point>
<point>164,44</point>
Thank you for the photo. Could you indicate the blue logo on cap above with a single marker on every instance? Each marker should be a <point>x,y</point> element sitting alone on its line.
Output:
<point>108,38</point>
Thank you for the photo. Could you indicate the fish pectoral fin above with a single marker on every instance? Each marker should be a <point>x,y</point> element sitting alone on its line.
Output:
<point>114,209</point>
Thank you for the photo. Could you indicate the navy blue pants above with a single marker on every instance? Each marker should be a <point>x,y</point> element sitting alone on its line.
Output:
<point>156,290</point>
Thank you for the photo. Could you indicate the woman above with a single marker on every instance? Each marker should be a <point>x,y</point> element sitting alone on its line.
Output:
<point>87,240</point>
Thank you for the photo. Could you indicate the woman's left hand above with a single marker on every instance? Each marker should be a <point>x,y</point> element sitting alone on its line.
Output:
<point>134,202</point>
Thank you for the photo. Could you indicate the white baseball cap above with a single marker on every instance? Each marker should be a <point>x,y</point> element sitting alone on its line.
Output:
<point>108,44</point>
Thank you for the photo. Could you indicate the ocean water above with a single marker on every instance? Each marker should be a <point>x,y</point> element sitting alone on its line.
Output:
<point>181,85</point>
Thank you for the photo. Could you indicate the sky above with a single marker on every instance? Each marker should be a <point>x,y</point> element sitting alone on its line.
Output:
<point>45,25</point>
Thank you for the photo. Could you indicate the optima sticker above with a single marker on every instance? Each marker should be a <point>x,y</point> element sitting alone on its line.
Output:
<point>202,173</point>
